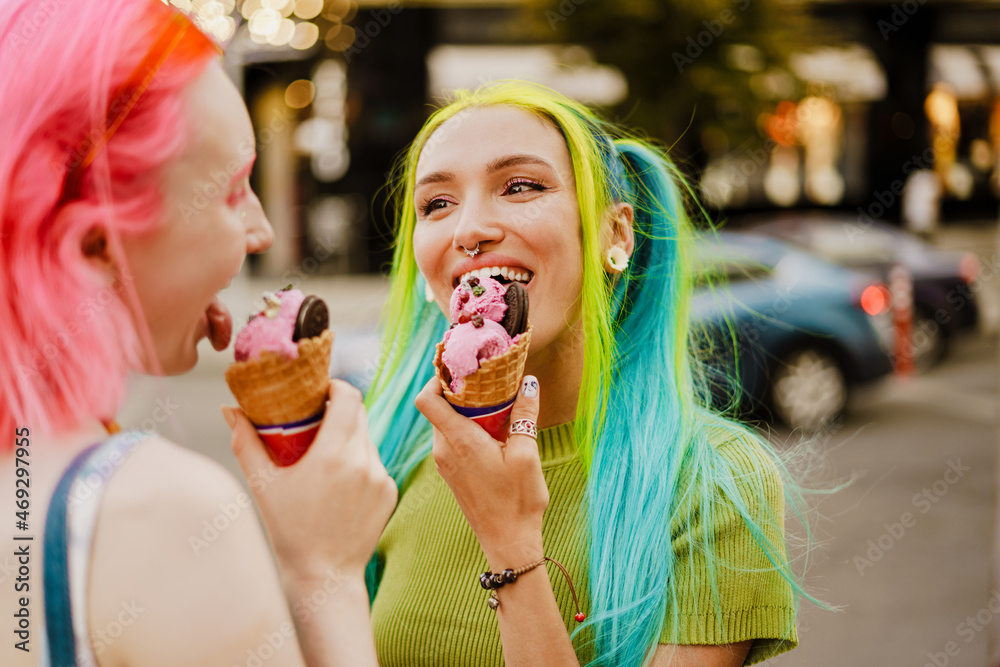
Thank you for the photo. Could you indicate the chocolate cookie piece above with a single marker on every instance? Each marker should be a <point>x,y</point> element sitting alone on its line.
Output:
<point>313,318</point>
<point>515,320</point>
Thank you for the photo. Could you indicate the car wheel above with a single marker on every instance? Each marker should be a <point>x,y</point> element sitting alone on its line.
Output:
<point>808,389</point>
<point>929,342</point>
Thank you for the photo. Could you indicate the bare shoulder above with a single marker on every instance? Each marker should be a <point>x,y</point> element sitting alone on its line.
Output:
<point>178,548</point>
<point>169,481</point>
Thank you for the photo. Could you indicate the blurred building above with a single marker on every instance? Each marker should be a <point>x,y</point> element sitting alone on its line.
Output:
<point>901,105</point>
<point>900,118</point>
<point>337,89</point>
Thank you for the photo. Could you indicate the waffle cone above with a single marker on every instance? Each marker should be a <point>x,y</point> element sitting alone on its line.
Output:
<point>496,381</point>
<point>275,390</point>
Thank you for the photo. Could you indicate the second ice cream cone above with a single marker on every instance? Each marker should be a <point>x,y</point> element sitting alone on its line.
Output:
<point>489,393</point>
<point>285,398</point>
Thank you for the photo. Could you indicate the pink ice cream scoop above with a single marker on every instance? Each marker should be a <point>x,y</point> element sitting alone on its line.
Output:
<point>480,361</point>
<point>467,344</point>
<point>273,328</point>
<point>284,393</point>
<point>482,296</point>
<point>477,307</point>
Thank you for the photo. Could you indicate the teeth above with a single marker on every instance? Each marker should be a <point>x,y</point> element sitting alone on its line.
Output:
<point>505,271</point>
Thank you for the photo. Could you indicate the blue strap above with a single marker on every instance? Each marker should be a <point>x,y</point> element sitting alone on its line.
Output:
<point>58,614</point>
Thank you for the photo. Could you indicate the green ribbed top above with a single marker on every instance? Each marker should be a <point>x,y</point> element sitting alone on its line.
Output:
<point>431,611</point>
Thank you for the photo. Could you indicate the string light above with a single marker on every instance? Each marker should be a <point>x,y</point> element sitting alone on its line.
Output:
<point>270,21</point>
<point>211,16</point>
<point>308,9</point>
<point>305,36</point>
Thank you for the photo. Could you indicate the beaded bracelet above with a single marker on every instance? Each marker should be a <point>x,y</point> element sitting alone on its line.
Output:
<point>492,581</point>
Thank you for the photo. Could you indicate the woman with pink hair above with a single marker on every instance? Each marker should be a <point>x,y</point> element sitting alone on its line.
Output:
<point>116,234</point>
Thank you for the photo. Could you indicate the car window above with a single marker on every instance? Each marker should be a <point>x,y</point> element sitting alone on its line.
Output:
<point>730,272</point>
<point>851,244</point>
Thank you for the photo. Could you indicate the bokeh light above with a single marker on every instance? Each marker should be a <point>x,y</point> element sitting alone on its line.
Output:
<point>265,22</point>
<point>211,16</point>
<point>284,33</point>
<point>308,9</point>
<point>300,94</point>
<point>340,37</point>
<point>306,35</point>
<point>875,299</point>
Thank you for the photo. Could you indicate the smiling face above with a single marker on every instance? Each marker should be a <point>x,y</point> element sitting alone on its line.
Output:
<point>211,220</point>
<point>501,177</point>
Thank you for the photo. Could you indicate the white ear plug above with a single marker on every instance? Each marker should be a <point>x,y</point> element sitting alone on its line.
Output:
<point>617,260</point>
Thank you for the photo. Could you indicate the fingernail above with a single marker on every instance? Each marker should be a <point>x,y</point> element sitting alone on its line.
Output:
<point>529,386</point>
<point>230,416</point>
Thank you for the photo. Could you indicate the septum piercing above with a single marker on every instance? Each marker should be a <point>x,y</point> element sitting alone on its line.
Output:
<point>473,252</point>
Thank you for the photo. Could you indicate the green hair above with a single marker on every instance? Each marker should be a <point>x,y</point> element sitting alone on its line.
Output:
<point>647,434</point>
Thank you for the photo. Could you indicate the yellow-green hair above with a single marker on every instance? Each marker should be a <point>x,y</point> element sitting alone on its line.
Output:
<point>646,432</point>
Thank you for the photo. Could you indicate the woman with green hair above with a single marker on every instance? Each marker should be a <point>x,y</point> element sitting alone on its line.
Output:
<point>667,516</point>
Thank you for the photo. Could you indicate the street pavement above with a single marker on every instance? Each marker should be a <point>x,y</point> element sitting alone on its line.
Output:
<point>904,550</point>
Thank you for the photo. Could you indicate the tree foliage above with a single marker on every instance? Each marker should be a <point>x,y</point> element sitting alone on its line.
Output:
<point>699,71</point>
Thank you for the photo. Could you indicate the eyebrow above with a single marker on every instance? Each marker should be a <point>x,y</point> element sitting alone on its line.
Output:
<point>499,164</point>
<point>245,171</point>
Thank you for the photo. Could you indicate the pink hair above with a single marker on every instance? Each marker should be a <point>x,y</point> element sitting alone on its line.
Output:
<point>67,339</point>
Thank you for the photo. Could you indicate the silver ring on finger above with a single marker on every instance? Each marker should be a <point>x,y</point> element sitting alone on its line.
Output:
<point>524,427</point>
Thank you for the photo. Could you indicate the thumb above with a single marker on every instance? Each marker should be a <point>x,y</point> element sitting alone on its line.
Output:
<point>525,407</point>
<point>249,449</point>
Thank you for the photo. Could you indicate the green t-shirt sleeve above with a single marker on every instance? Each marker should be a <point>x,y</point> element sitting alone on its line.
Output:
<point>754,600</point>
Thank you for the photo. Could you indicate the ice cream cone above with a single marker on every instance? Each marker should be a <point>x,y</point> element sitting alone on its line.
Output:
<point>285,398</point>
<point>489,393</point>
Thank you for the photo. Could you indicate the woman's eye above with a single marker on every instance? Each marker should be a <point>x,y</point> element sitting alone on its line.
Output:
<point>520,186</point>
<point>432,205</point>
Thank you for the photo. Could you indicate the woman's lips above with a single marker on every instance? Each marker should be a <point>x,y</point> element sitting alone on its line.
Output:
<point>220,324</point>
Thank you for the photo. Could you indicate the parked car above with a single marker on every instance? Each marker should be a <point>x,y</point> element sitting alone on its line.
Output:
<point>793,327</point>
<point>944,305</point>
